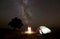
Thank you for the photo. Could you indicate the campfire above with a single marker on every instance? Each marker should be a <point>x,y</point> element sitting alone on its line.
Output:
<point>29,31</point>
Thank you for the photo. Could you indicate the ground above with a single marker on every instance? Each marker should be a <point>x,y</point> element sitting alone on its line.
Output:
<point>10,34</point>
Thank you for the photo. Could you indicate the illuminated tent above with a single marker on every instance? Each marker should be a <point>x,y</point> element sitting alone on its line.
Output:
<point>44,30</point>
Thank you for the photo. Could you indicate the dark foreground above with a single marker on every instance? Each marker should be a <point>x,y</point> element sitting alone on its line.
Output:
<point>10,34</point>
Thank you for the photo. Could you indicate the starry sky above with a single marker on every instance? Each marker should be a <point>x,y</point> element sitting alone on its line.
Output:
<point>43,12</point>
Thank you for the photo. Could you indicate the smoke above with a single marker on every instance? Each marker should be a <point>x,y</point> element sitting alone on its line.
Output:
<point>25,2</point>
<point>26,12</point>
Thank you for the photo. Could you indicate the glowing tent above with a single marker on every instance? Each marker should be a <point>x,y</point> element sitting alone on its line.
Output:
<point>44,30</point>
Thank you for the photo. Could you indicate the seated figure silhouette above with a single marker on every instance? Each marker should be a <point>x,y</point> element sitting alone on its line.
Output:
<point>16,23</point>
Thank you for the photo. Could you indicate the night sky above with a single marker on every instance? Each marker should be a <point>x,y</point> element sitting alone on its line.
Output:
<point>43,12</point>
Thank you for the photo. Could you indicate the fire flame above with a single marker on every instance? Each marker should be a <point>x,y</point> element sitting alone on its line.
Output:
<point>29,31</point>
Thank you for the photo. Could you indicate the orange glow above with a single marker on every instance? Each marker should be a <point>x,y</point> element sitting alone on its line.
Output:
<point>29,31</point>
